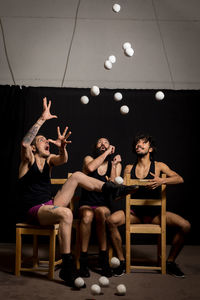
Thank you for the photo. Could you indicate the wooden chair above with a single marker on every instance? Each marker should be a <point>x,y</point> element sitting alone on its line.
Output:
<point>35,231</point>
<point>160,230</point>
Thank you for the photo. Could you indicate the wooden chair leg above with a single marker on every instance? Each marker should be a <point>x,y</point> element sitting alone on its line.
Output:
<point>77,247</point>
<point>18,252</point>
<point>128,252</point>
<point>52,251</point>
<point>159,251</point>
<point>35,251</point>
<point>110,251</point>
<point>163,254</point>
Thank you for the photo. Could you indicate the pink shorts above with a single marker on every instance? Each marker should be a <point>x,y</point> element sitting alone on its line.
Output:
<point>33,211</point>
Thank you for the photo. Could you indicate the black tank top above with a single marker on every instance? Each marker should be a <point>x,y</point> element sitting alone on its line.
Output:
<point>95,198</point>
<point>35,187</point>
<point>143,192</point>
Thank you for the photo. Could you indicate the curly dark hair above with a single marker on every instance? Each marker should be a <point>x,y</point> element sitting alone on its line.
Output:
<point>146,138</point>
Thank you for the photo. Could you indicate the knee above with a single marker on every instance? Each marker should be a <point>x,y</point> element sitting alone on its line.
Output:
<point>76,176</point>
<point>87,217</point>
<point>66,215</point>
<point>110,222</point>
<point>99,214</point>
<point>186,227</point>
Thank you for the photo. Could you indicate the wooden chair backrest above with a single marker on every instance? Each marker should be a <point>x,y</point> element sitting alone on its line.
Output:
<point>150,202</point>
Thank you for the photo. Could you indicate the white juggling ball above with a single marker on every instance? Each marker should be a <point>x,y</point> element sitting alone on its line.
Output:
<point>124,109</point>
<point>159,95</point>
<point>119,180</point>
<point>126,45</point>
<point>95,289</point>
<point>79,282</point>
<point>114,262</point>
<point>112,59</point>
<point>84,99</point>
<point>129,52</point>
<point>121,289</point>
<point>95,91</point>
<point>108,65</point>
<point>118,96</point>
<point>104,281</point>
<point>116,7</point>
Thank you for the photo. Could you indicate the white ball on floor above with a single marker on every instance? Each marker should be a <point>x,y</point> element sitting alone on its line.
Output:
<point>84,99</point>
<point>121,289</point>
<point>124,109</point>
<point>108,65</point>
<point>159,95</point>
<point>114,262</point>
<point>118,96</point>
<point>129,52</point>
<point>104,281</point>
<point>126,45</point>
<point>119,180</point>
<point>95,289</point>
<point>116,7</point>
<point>79,282</point>
<point>112,59</point>
<point>95,91</point>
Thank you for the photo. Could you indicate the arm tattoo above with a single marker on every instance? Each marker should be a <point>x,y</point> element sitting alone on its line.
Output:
<point>31,134</point>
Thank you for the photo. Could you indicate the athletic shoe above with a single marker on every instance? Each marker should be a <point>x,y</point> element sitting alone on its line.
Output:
<point>84,270</point>
<point>110,189</point>
<point>68,272</point>
<point>173,269</point>
<point>104,265</point>
<point>121,269</point>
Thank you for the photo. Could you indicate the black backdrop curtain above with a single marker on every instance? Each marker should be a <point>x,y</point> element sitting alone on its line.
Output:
<point>172,122</point>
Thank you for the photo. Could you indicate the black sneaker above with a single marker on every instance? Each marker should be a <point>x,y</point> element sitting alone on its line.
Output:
<point>114,191</point>
<point>121,269</point>
<point>84,270</point>
<point>68,272</point>
<point>173,269</point>
<point>104,265</point>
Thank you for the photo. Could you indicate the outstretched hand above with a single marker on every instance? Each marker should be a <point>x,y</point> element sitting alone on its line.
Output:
<point>61,141</point>
<point>46,115</point>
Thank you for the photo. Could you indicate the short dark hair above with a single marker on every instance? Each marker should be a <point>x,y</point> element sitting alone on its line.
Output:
<point>147,138</point>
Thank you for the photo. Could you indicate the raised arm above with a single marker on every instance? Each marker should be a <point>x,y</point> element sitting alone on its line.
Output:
<point>91,164</point>
<point>26,150</point>
<point>61,143</point>
<point>116,167</point>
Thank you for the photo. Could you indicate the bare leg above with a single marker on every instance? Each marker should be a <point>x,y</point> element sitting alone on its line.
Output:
<point>183,227</point>
<point>101,213</point>
<point>64,196</point>
<point>115,220</point>
<point>48,215</point>
<point>86,217</point>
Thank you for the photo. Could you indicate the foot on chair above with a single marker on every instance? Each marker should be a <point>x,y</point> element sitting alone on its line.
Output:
<point>115,191</point>
<point>173,269</point>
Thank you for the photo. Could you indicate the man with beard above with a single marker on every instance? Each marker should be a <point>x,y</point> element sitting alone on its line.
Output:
<point>147,168</point>
<point>94,205</point>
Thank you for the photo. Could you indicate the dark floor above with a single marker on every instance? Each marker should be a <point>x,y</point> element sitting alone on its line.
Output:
<point>140,285</point>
